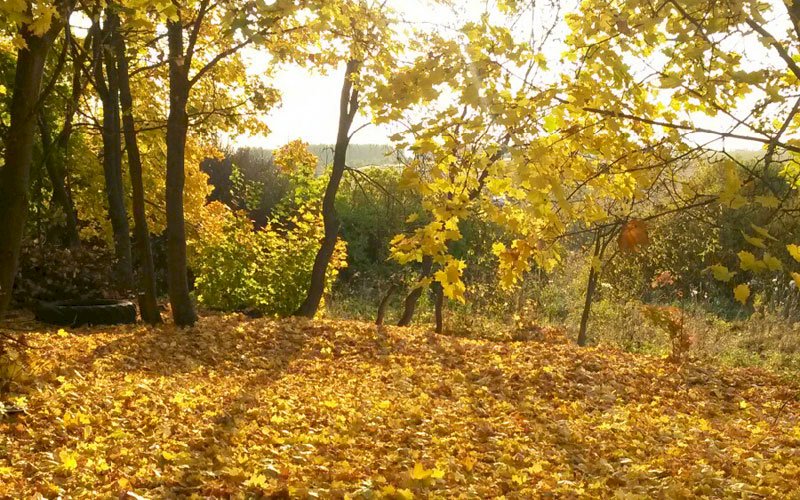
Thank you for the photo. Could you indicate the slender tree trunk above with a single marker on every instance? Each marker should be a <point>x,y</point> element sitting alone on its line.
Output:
<point>108,89</point>
<point>53,162</point>
<point>148,303</point>
<point>410,304</point>
<point>348,105</point>
<point>15,173</point>
<point>594,274</point>
<point>384,304</point>
<point>438,294</point>
<point>183,312</point>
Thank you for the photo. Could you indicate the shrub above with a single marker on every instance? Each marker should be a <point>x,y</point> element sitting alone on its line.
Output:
<point>267,270</point>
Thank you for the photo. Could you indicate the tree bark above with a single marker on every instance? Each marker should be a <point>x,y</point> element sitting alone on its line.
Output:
<point>53,162</point>
<point>410,304</point>
<point>108,90</point>
<point>438,309</point>
<point>348,106</point>
<point>15,173</point>
<point>590,288</point>
<point>148,300</point>
<point>384,304</point>
<point>183,312</point>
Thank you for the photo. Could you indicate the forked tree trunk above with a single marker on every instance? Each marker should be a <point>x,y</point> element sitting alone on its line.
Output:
<point>148,301</point>
<point>410,304</point>
<point>183,312</point>
<point>348,106</point>
<point>53,162</point>
<point>108,89</point>
<point>384,304</point>
<point>15,173</point>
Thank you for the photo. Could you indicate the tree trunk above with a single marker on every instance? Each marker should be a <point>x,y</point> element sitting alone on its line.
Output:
<point>53,162</point>
<point>348,105</point>
<point>183,312</point>
<point>384,304</point>
<point>410,305</point>
<point>594,273</point>
<point>15,173</point>
<point>438,293</point>
<point>108,89</point>
<point>148,303</point>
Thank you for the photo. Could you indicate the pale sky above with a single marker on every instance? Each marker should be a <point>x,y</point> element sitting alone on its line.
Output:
<point>309,110</point>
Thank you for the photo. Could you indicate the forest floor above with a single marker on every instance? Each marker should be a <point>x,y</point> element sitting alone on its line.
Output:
<point>293,408</point>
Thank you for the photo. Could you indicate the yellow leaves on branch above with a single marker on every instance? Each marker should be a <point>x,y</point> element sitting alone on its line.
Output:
<point>43,15</point>
<point>730,196</point>
<point>450,279</point>
<point>512,262</point>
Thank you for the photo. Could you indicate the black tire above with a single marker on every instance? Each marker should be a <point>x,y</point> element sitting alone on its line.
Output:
<point>94,312</point>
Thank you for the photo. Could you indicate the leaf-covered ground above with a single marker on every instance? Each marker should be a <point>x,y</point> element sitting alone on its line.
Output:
<point>246,408</point>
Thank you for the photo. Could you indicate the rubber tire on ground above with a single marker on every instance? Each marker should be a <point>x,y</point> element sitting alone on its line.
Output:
<point>94,312</point>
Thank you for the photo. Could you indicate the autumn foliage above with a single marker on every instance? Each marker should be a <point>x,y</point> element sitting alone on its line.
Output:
<point>237,407</point>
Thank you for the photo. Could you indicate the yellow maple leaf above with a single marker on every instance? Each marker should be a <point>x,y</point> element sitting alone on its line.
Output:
<point>69,460</point>
<point>748,262</point>
<point>756,242</point>
<point>772,263</point>
<point>742,293</point>
<point>721,273</point>
<point>794,251</point>
<point>762,231</point>
<point>256,481</point>
<point>419,472</point>
<point>42,18</point>
<point>768,201</point>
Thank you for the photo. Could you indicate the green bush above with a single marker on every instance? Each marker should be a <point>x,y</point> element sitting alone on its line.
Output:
<point>266,270</point>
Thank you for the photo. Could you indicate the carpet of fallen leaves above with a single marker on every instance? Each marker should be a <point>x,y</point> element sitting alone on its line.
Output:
<point>251,408</point>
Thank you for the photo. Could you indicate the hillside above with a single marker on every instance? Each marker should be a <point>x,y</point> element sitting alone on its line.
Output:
<point>331,408</point>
